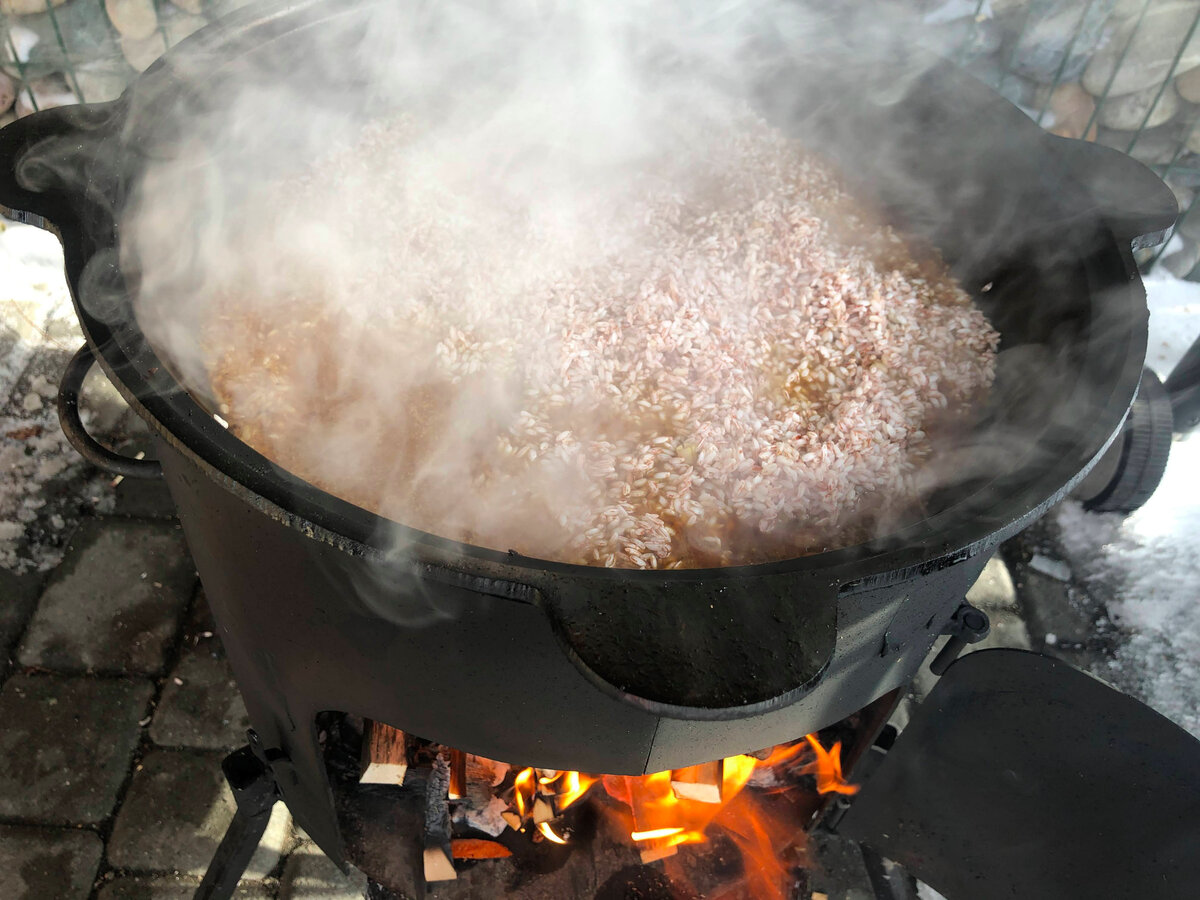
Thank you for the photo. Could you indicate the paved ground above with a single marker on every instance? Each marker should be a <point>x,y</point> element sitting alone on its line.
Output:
<point>118,706</point>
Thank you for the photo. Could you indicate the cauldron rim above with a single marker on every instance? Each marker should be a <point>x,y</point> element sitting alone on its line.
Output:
<point>87,229</point>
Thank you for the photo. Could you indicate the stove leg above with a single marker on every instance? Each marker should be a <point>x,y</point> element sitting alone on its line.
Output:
<point>255,791</point>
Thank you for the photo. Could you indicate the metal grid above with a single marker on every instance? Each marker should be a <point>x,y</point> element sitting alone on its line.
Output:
<point>14,58</point>
<point>1182,167</point>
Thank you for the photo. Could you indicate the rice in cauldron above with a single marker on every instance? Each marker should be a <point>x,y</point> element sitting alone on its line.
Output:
<point>756,371</point>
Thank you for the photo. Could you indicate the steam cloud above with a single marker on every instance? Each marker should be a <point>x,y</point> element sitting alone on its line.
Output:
<point>520,130</point>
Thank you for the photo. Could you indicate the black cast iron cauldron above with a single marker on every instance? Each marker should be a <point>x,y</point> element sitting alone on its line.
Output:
<point>605,670</point>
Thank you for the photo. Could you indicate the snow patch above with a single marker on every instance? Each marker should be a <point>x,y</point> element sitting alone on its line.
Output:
<point>1148,560</point>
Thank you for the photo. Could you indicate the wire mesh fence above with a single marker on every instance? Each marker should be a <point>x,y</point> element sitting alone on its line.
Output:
<point>1125,73</point>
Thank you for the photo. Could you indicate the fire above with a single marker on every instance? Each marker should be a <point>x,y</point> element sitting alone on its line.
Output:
<point>674,808</point>
<point>828,768</point>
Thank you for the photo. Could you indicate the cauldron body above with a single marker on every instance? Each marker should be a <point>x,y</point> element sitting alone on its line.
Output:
<point>324,606</point>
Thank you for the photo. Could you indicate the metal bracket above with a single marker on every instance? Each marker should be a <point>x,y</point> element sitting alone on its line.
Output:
<point>968,625</point>
<point>249,775</point>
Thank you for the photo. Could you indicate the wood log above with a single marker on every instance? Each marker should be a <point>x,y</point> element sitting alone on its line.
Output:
<point>458,775</point>
<point>513,820</point>
<point>477,848</point>
<point>701,783</point>
<point>653,851</point>
<point>543,811</point>
<point>384,754</point>
<point>438,858</point>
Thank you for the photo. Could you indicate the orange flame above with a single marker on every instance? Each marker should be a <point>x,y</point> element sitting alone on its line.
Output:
<point>523,792</point>
<point>663,820</point>
<point>550,834</point>
<point>828,768</point>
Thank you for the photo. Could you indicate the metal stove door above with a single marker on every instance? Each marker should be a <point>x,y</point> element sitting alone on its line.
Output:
<point>1021,776</point>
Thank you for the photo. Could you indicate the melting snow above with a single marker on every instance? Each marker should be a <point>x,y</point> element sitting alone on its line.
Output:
<point>35,317</point>
<point>1148,562</point>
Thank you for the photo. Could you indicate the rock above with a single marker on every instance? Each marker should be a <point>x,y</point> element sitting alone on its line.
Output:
<point>1181,256</point>
<point>101,82</point>
<point>964,40</point>
<point>1070,108</point>
<point>1189,225</point>
<point>177,26</point>
<point>47,93</point>
<point>1129,113</point>
<point>180,25</point>
<point>18,43</point>
<point>8,92</point>
<point>83,37</point>
<point>141,53</point>
<point>1059,39</point>
<point>1188,85</point>
<point>6,118</point>
<point>1193,140</point>
<point>195,7</point>
<point>134,19</point>
<point>1124,9</point>
<point>1185,195</point>
<point>1152,48</point>
<point>1154,147</point>
<point>26,7</point>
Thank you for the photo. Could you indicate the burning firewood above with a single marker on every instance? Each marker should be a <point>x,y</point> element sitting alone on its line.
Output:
<point>543,810</point>
<point>438,856</point>
<point>458,775</point>
<point>384,754</point>
<point>701,783</point>
<point>477,848</point>
<point>656,850</point>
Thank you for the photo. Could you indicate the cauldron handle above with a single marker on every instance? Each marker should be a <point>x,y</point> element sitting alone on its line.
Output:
<point>86,445</point>
<point>1135,202</point>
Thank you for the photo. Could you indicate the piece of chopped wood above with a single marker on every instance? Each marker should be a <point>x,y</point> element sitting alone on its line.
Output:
<point>458,775</point>
<point>653,851</point>
<point>543,811</point>
<point>385,754</point>
<point>438,865</point>
<point>477,848</point>
<point>513,820</point>
<point>438,862</point>
<point>701,783</point>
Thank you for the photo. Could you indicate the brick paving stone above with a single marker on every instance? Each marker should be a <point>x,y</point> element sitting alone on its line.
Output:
<point>143,498</point>
<point>18,597</point>
<point>115,602</point>
<point>201,705</point>
<point>66,744</point>
<point>310,875</point>
<point>175,815</point>
<point>171,887</point>
<point>45,864</point>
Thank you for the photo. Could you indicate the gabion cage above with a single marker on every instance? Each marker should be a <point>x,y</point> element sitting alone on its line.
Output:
<point>1125,73</point>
